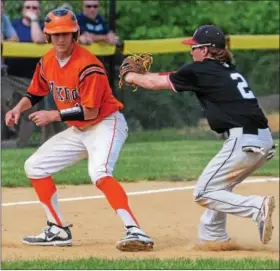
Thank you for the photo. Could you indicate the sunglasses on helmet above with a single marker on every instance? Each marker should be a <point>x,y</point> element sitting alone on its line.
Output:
<point>201,45</point>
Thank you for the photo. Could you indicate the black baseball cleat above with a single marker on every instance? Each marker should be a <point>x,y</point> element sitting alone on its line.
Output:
<point>52,235</point>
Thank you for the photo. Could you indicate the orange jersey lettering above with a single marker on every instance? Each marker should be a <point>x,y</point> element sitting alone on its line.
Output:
<point>82,81</point>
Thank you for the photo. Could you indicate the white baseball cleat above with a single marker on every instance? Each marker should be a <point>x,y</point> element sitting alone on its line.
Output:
<point>265,223</point>
<point>135,240</point>
<point>52,235</point>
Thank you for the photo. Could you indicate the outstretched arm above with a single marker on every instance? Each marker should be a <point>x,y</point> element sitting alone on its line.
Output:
<point>154,81</point>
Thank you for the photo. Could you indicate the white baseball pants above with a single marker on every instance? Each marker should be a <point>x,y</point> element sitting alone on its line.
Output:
<point>101,143</point>
<point>228,168</point>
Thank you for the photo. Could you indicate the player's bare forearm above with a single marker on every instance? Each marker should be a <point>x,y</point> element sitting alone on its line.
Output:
<point>23,105</point>
<point>56,115</point>
<point>148,80</point>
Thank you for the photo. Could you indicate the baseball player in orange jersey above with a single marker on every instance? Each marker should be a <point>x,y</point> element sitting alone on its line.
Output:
<point>97,130</point>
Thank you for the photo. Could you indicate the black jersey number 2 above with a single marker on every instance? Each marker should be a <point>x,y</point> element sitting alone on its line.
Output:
<point>242,86</point>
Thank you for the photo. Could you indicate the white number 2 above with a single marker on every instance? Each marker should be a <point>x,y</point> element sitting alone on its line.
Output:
<point>242,86</point>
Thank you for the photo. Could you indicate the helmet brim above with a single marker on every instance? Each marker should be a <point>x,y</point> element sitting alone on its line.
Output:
<point>61,29</point>
<point>189,42</point>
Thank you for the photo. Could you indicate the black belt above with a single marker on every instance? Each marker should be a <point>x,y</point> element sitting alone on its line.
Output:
<point>250,131</point>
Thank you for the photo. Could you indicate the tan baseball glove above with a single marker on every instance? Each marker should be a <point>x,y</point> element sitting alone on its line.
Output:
<point>134,63</point>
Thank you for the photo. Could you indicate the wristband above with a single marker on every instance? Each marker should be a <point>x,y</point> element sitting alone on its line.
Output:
<point>73,113</point>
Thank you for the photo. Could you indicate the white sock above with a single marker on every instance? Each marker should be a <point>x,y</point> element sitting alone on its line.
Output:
<point>126,218</point>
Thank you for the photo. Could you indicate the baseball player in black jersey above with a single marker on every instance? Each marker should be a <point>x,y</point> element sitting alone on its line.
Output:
<point>230,106</point>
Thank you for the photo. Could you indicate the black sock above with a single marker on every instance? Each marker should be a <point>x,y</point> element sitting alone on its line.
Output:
<point>129,227</point>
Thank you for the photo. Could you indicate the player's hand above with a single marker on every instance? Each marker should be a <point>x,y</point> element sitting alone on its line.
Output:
<point>271,152</point>
<point>12,117</point>
<point>44,117</point>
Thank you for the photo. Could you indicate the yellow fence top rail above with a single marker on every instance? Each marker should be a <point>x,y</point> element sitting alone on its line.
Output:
<point>156,46</point>
<point>22,49</point>
<point>246,42</point>
<point>174,45</point>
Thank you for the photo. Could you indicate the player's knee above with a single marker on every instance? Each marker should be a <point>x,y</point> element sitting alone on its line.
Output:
<point>32,168</point>
<point>28,166</point>
<point>202,202</point>
<point>197,197</point>
<point>96,175</point>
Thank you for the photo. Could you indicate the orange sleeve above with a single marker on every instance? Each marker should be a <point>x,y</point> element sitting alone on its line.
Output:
<point>93,82</point>
<point>39,85</point>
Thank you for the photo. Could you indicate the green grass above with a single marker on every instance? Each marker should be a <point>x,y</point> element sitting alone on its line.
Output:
<point>171,134</point>
<point>177,160</point>
<point>180,264</point>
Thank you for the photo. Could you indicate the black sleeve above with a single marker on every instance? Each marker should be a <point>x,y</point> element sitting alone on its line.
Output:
<point>34,99</point>
<point>184,79</point>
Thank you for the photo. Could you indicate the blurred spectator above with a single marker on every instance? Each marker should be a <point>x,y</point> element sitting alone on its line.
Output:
<point>28,27</point>
<point>7,30</point>
<point>92,25</point>
<point>66,6</point>
<point>7,33</point>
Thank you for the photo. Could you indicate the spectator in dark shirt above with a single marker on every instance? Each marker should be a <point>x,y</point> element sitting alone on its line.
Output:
<point>92,25</point>
<point>28,27</point>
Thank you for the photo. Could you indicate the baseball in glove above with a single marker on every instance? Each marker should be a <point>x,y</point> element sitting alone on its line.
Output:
<point>134,63</point>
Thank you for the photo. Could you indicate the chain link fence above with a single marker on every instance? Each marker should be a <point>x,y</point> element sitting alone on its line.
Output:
<point>26,133</point>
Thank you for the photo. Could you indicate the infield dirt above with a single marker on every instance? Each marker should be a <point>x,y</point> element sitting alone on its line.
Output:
<point>170,218</point>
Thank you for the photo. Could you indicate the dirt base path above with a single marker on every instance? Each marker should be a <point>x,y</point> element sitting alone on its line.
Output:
<point>171,218</point>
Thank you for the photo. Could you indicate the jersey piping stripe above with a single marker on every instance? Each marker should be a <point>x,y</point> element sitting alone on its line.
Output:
<point>41,71</point>
<point>172,86</point>
<point>203,197</point>
<point>89,73</point>
<point>221,165</point>
<point>91,69</point>
<point>89,66</point>
<point>43,78</point>
<point>111,145</point>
